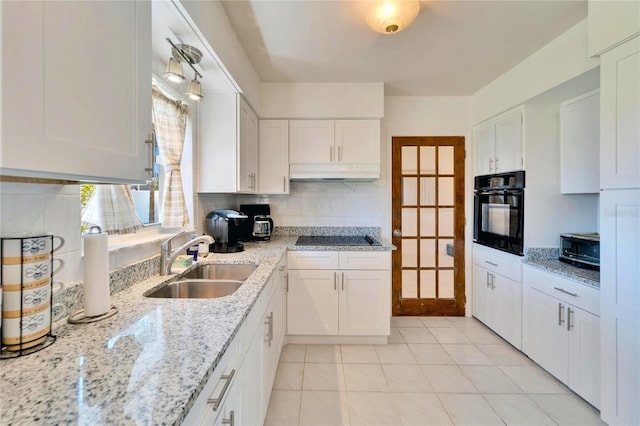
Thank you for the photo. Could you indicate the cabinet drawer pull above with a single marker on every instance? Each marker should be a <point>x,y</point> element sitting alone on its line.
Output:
<point>490,164</point>
<point>151,146</point>
<point>217,401</point>
<point>491,263</point>
<point>342,281</point>
<point>560,313</point>
<point>566,292</point>
<point>496,164</point>
<point>335,281</point>
<point>284,184</point>
<point>230,420</point>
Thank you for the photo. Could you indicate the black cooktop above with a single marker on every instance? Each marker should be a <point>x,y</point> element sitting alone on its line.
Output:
<point>337,240</point>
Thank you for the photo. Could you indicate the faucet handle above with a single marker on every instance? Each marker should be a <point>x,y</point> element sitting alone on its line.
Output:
<point>166,244</point>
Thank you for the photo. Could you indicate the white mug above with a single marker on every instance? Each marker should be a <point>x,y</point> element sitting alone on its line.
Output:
<point>34,330</point>
<point>36,274</point>
<point>28,249</point>
<point>34,300</point>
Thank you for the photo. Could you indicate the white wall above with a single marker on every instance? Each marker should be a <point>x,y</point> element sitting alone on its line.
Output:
<point>562,59</point>
<point>322,100</point>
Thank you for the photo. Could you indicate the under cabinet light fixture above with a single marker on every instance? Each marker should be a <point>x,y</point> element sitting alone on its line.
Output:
<point>191,56</point>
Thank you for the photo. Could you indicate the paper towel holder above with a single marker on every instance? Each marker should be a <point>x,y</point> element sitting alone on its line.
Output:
<point>80,318</point>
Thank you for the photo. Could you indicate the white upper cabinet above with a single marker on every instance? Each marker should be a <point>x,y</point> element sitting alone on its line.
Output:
<point>498,145</point>
<point>620,112</point>
<point>227,145</point>
<point>76,90</point>
<point>580,144</point>
<point>341,149</point>
<point>273,156</point>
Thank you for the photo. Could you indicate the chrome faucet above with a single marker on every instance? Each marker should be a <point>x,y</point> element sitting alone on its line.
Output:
<point>167,257</point>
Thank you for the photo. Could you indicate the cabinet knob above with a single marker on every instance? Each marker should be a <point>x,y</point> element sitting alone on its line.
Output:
<point>397,233</point>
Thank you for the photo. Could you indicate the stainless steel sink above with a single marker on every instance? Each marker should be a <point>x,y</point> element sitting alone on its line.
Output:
<point>196,289</point>
<point>219,271</point>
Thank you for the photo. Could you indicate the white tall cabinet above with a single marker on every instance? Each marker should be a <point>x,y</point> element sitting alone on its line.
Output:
<point>620,233</point>
<point>76,90</point>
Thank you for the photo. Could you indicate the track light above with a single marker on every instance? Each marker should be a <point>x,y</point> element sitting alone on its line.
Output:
<point>174,71</point>
<point>194,92</point>
<point>191,56</point>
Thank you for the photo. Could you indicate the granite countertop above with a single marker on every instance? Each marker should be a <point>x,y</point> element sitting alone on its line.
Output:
<point>584,276</point>
<point>145,365</point>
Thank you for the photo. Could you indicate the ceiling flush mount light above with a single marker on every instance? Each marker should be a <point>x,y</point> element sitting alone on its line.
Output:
<point>191,56</point>
<point>392,16</point>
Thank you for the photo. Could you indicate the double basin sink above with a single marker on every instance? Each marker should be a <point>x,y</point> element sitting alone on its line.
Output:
<point>206,282</point>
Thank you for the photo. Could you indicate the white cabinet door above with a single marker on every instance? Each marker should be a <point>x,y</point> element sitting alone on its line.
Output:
<point>357,141</point>
<point>311,141</point>
<point>273,156</point>
<point>544,335</point>
<point>508,155</point>
<point>312,302</point>
<point>269,361</point>
<point>619,110</point>
<point>250,381</point>
<point>484,148</point>
<point>506,309</point>
<point>481,292</point>
<point>365,302</point>
<point>248,149</point>
<point>584,354</point>
<point>580,145</point>
<point>76,90</point>
<point>620,305</point>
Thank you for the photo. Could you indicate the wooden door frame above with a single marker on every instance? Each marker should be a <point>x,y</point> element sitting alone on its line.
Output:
<point>417,306</point>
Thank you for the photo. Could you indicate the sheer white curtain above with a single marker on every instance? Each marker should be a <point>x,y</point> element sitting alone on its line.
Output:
<point>111,208</point>
<point>170,121</point>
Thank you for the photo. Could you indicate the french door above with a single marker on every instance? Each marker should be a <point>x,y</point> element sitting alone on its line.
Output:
<point>428,225</point>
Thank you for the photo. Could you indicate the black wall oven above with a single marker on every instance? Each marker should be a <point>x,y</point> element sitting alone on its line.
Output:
<point>499,211</point>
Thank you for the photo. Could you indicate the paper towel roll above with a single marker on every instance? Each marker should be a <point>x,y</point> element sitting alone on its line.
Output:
<point>96,274</point>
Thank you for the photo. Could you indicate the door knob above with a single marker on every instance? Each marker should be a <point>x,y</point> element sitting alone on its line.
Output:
<point>397,233</point>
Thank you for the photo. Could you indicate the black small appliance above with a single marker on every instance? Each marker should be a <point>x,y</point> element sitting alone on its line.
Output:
<point>225,227</point>
<point>499,211</point>
<point>581,250</point>
<point>259,225</point>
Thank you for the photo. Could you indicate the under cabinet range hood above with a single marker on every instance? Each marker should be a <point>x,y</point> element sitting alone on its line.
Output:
<point>335,171</point>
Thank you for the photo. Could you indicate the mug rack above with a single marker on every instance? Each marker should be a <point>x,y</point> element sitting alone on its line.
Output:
<point>40,341</point>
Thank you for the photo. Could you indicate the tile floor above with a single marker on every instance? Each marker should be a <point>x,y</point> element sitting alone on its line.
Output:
<point>434,371</point>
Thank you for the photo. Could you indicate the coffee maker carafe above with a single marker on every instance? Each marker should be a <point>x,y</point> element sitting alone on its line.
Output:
<point>262,227</point>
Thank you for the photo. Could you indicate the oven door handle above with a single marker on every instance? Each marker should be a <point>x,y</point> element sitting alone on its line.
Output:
<point>501,192</point>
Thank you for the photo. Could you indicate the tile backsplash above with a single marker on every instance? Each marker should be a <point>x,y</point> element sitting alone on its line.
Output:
<point>328,204</point>
<point>35,209</point>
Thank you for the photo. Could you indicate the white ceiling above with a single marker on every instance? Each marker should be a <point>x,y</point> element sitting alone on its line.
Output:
<point>453,48</point>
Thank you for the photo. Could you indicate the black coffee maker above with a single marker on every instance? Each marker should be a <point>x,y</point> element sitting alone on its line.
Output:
<point>225,227</point>
<point>261,213</point>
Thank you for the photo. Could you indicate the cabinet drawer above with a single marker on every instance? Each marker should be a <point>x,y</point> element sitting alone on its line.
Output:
<point>217,386</point>
<point>565,289</point>
<point>365,260</point>
<point>313,259</point>
<point>504,264</point>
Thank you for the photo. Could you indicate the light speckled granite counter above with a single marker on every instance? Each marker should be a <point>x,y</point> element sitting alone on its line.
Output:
<point>147,364</point>
<point>547,259</point>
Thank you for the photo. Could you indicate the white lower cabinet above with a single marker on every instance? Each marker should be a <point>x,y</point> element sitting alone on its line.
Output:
<point>561,330</point>
<point>339,293</point>
<point>238,392</point>
<point>497,290</point>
